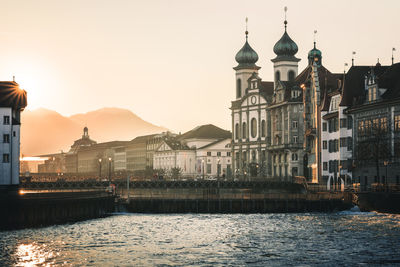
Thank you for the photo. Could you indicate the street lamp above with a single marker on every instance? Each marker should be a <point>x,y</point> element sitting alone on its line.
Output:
<point>218,167</point>
<point>109,170</point>
<point>202,161</point>
<point>386,162</point>
<point>100,168</point>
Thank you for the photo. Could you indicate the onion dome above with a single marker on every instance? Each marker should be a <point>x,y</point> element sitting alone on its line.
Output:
<point>314,55</point>
<point>285,48</point>
<point>246,57</point>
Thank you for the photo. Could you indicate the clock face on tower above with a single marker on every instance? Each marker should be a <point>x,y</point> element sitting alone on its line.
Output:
<point>253,100</point>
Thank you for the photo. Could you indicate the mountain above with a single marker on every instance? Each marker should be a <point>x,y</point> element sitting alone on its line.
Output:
<point>45,131</point>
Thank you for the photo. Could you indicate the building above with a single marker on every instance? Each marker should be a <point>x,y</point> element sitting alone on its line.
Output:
<point>54,163</point>
<point>13,100</point>
<point>214,160</point>
<point>136,152</point>
<point>173,154</point>
<point>336,132</point>
<point>372,95</point>
<point>267,117</point>
<point>153,144</point>
<point>201,152</point>
<point>71,158</point>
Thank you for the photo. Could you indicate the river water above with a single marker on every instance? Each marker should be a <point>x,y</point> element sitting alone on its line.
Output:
<point>302,239</point>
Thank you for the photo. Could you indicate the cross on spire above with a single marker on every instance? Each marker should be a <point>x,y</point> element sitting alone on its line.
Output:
<point>247,32</point>
<point>285,22</point>
<point>315,35</point>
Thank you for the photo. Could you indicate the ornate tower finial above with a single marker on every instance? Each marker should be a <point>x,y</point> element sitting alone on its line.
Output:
<point>393,49</point>
<point>352,58</point>
<point>315,35</point>
<point>285,22</point>
<point>246,32</point>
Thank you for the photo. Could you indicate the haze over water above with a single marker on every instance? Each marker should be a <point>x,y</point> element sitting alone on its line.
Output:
<point>343,238</point>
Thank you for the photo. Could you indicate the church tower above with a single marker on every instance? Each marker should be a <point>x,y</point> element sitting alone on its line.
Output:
<point>246,59</point>
<point>285,63</point>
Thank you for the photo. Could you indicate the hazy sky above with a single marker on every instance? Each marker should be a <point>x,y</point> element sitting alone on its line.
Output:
<point>170,62</point>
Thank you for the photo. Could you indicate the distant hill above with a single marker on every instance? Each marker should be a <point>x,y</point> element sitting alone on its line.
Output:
<point>45,131</point>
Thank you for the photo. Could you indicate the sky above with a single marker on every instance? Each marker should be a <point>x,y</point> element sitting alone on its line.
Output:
<point>170,62</point>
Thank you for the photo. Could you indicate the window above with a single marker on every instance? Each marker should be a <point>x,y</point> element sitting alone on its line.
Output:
<point>343,142</point>
<point>294,157</point>
<point>228,154</point>
<point>253,127</point>
<point>208,153</point>
<point>294,124</point>
<point>277,76</point>
<point>244,130</point>
<point>238,88</point>
<point>324,144</point>
<point>349,123</point>
<point>6,120</point>
<point>6,138</point>
<point>263,128</point>
<point>208,168</point>
<point>325,164</point>
<point>295,139</point>
<point>6,158</point>
<point>218,154</point>
<point>383,124</point>
<point>324,126</point>
<point>14,133</point>
<point>397,123</point>
<point>349,144</point>
<point>291,75</point>
<point>237,131</point>
<point>343,123</point>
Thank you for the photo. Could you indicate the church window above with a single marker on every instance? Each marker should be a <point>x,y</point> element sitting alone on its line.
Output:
<point>244,130</point>
<point>263,128</point>
<point>253,127</point>
<point>277,76</point>
<point>374,96</point>
<point>291,75</point>
<point>294,124</point>
<point>237,131</point>
<point>238,88</point>
<point>295,139</point>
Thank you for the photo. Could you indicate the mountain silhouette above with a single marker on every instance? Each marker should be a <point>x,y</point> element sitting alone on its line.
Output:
<point>45,131</point>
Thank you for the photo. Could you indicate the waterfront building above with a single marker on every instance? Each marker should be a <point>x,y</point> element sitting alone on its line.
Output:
<point>267,119</point>
<point>13,100</point>
<point>71,158</point>
<point>316,82</point>
<point>54,163</point>
<point>172,154</point>
<point>373,97</point>
<point>136,152</point>
<point>153,144</point>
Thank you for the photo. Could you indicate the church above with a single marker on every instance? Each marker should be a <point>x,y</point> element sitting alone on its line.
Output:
<point>270,125</point>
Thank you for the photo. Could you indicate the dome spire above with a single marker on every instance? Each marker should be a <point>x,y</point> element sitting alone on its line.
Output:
<point>246,57</point>
<point>285,22</point>
<point>315,54</point>
<point>285,48</point>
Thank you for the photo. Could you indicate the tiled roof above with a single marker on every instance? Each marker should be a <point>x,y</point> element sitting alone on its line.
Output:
<point>354,84</point>
<point>207,131</point>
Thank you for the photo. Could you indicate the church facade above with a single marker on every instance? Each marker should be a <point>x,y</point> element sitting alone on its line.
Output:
<point>267,116</point>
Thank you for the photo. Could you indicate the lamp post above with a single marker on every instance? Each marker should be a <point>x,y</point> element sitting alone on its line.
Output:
<point>109,170</point>
<point>202,163</point>
<point>100,168</point>
<point>386,162</point>
<point>218,167</point>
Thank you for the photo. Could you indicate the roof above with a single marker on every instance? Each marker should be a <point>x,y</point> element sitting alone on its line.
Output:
<point>142,139</point>
<point>213,143</point>
<point>391,81</point>
<point>207,131</point>
<point>175,144</point>
<point>104,145</point>
<point>354,84</point>
<point>11,95</point>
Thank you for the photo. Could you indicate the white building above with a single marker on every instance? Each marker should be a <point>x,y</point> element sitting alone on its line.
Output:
<point>337,142</point>
<point>203,151</point>
<point>214,160</point>
<point>13,100</point>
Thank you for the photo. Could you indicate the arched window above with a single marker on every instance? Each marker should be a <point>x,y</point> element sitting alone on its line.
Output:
<point>237,131</point>
<point>238,88</point>
<point>244,130</point>
<point>253,155</point>
<point>277,76</point>
<point>291,75</point>
<point>263,128</point>
<point>253,127</point>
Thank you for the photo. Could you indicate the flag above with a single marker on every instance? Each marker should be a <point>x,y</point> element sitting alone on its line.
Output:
<point>393,49</point>
<point>315,31</point>
<point>354,52</point>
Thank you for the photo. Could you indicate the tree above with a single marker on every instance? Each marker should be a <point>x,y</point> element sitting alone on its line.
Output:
<point>176,172</point>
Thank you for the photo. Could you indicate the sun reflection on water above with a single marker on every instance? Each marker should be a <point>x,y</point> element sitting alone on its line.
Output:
<point>33,255</point>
